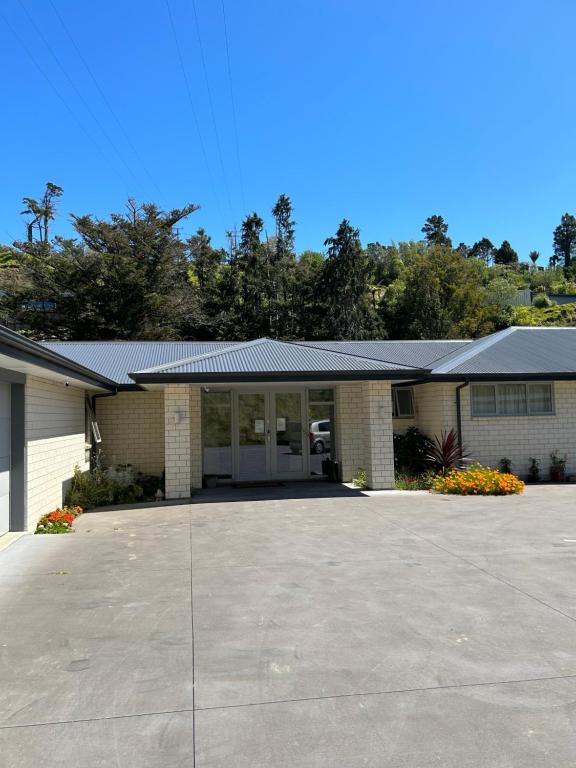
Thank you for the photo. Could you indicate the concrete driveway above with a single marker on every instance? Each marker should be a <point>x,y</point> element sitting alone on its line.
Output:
<point>407,631</point>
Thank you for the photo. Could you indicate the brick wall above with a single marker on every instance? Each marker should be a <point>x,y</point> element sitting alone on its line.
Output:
<point>521,437</point>
<point>364,431</point>
<point>177,440</point>
<point>132,429</point>
<point>55,443</point>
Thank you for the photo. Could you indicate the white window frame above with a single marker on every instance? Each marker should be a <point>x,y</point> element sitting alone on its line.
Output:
<point>499,414</point>
<point>395,409</point>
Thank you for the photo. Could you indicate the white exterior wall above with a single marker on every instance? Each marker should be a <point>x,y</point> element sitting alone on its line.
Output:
<point>519,438</point>
<point>177,440</point>
<point>55,444</point>
<point>132,429</point>
<point>364,431</point>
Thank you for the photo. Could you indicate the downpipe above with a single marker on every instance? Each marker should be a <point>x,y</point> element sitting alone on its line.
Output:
<point>459,388</point>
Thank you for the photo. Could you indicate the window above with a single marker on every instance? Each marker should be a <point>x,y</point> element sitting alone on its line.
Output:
<point>402,403</point>
<point>512,399</point>
<point>91,431</point>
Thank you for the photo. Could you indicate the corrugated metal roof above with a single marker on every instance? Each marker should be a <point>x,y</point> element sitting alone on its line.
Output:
<point>516,350</point>
<point>116,359</point>
<point>415,354</point>
<point>265,356</point>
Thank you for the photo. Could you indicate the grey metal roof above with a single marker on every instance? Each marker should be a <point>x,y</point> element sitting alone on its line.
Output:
<point>416,354</point>
<point>116,359</point>
<point>516,350</point>
<point>268,356</point>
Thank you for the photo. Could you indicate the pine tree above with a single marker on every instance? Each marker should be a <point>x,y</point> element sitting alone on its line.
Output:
<point>435,231</point>
<point>565,239</point>
<point>346,281</point>
<point>505,254</point>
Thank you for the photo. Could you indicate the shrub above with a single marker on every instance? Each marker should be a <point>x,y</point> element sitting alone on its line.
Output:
<point>420,482</point>
<point>360,479</point>
<point>478,481</point>
<point>505,466</point>
<point>59,521</point>
<point>534,471</point>
<point>446,453</point>
<point>410,451</point>
<point>541,301</point>
<point>99,488</point>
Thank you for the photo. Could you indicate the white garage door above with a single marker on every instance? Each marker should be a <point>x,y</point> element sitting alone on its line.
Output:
<point>4,457</point>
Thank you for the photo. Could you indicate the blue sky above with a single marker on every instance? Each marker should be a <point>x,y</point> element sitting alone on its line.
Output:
<point>380,112</point>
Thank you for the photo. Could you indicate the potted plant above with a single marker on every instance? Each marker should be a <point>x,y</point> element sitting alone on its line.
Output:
<point>534,471</point>
<point>557,468</point>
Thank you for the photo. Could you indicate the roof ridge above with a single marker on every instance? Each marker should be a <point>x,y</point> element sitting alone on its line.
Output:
<point>360,357</point>
<point>206,355</point>
<point>479,345</point>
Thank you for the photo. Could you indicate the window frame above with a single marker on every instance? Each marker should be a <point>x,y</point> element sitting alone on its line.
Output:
<point>498,414</point>
<point>395,409</point>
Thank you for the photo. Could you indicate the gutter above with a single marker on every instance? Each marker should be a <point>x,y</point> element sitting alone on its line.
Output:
<point>27,351</point>
<point>459,388</point>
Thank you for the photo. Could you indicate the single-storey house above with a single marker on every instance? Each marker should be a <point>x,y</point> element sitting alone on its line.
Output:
<point>271,410</point>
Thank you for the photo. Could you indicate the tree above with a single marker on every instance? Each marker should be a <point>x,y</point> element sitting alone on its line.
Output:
<point>252,262</point>
<point>308,302</point>
<point>281,271</point>
<point>483,249</point>
<point>346,280</point>
<point>505,254</point>
<point>205,275</point>
<point>42,211</point>
<point>123,278</point>
<point>565,239</point>
<point>435,231</point>
<point>534,256</point>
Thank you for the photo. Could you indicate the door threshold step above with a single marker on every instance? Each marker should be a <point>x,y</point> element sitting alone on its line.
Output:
<point>259,484</point>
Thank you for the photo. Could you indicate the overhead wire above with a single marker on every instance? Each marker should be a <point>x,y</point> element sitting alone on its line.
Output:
<point>192,107</point>
<point>103,96</point>
<point>78,92</point>
<point>233,103</point>
<point>211,104</point>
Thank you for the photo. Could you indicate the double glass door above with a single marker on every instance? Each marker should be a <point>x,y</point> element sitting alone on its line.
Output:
<point>271,435</point>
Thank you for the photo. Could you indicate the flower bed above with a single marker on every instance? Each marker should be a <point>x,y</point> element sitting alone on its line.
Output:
<point>59,521</point>
<point>478,481</point>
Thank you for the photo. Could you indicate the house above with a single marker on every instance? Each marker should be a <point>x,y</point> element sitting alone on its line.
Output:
<point>271,410</point>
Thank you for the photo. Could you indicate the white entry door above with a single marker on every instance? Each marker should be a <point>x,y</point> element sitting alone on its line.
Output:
<point>4,457</point>
<point>270,436</point>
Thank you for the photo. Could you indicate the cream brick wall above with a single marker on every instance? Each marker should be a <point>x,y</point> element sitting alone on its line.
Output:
<point>378,434</point>
<point>364,431</point>
<point>349,429</point>
<point>55,443</point>
<point>177,441</point>
<point>196,436</point>
<point>132,429</point>
<point>435,406</point>
<point>521,437</point>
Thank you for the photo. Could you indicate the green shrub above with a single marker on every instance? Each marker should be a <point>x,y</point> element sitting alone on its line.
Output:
<point>97,489</point>
<point>360,479</point>
<point>421,482</point>
<point>410,451</point>
<point>541,301</point>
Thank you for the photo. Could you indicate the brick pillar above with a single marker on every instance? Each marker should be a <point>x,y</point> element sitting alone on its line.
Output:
<point>196,437</point>
<point>177,440</point>
<point>349,429</point>
<point>378,434</point>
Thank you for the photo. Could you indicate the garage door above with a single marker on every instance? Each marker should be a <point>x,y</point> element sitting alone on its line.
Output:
<point>4,457</point>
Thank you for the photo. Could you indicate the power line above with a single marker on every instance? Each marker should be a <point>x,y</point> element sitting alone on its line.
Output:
<point>192,107</point>
<point>78,92</point>
<point>51,84</point>
<point>104,97</point>
<point>232,101</point>
<point>211,104</point>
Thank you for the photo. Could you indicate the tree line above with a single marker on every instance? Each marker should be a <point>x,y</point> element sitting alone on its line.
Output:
<point>132,276</point>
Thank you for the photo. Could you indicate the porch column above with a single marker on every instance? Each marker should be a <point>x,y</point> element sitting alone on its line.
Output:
<point>177,440</point>
<point>378,434</point>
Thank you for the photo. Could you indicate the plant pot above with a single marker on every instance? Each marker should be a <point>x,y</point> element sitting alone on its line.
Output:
<point>557,475</point>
